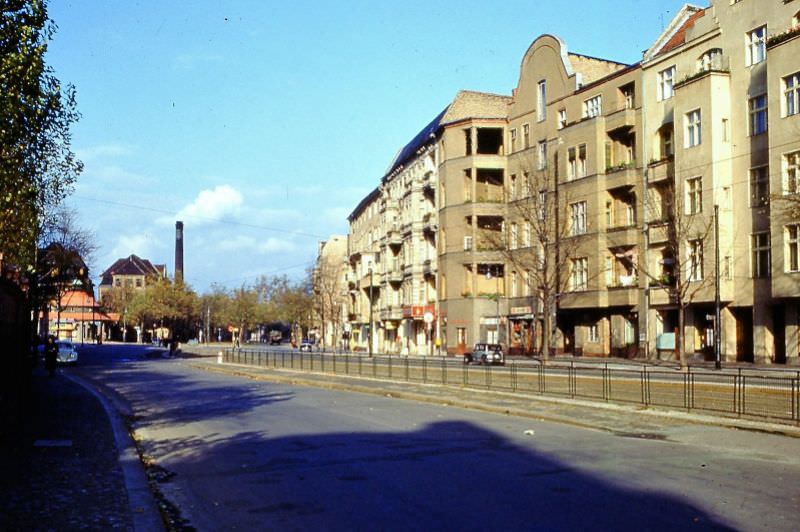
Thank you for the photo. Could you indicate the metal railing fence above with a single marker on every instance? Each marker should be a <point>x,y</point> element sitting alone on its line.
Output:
<point>758,394</point>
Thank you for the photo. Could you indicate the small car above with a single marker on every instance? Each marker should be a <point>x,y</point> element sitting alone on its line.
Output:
<point>489,354</point>
<point>306,346</point>
<point>67,354</point>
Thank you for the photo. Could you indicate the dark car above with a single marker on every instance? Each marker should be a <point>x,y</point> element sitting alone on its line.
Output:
<point>486,354</point>
<point>306,346</point>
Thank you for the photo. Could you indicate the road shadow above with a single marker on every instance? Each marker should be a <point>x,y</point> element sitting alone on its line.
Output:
<point>449,475</point>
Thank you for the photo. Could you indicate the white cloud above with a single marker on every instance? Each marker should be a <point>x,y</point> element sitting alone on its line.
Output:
<point>132,244</point>
<point>210,206</point>
<point>273,245</point>
<point>92,153</point>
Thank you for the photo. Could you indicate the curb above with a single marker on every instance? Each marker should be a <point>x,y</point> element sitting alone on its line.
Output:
<point>451,399</point>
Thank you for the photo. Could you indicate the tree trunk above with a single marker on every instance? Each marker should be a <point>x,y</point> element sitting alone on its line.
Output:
<point>680,338</point>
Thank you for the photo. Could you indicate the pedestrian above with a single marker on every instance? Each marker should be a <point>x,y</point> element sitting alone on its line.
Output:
<point>50,355</point>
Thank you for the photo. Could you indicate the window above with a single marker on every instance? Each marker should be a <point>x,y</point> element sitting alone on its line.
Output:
<point>791,172</point>
<point>628,95</point>
<point>758,114</point>
<point>609,271</point>
<point>541,159</point>
<point>694,263</point>
<point>666,79</point>
<point>791,94</point>
<point>542,204</point>
<point>512,187</point>
<point>712,59</point>
<point>579,274</point>
<point>513,142</point>
<point>541,101</point>
<point>593,335</point>
<point>138,283</point>
<point>576,162</point>
<point>514,284</point>
<point>468,141</point>
<point>578,212</point>
<point>694,195</point>
<point>467,243</point>
<point>526,283</point>
<point>756,46</point>
<point>759,186</point>
<point>526,235</point>
<point>526,136</point>
<point>593,107</point>
<point>759,243</point>
<point>572,164</point>
<point>792,248</point>
<point>693,135</point>
<point>562,118</point>
<point>513,239</point>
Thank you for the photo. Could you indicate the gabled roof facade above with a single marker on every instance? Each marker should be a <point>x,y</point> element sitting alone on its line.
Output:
<point>132,265</point>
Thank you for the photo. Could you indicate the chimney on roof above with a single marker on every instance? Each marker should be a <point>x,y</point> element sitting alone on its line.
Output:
<point>178,251</point>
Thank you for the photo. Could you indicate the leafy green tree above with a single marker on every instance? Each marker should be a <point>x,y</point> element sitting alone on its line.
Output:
<point>169,304</point>
<point>244,310</point>
<point>37,165</point>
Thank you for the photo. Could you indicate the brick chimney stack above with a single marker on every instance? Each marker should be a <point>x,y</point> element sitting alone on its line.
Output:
<point>178,251</point>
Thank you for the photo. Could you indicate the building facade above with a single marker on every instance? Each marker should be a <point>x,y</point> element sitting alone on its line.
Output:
<point>601,205</point>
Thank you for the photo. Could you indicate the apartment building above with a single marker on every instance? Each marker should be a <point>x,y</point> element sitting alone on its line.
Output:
<point>472,209</point>
<point>363,275</point>
<point>331,292</point>
<point>601,204</point>
<point>393,259</point>
<point>722,136</point>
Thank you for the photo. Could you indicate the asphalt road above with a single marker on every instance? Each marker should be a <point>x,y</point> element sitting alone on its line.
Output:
<point>241,453</point>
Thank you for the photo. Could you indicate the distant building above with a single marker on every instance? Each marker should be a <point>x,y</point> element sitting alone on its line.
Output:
<point>132,272</point>
<point>80,318</point>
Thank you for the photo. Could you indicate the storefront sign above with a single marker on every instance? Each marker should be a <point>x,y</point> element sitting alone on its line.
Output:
<point>520,310</point>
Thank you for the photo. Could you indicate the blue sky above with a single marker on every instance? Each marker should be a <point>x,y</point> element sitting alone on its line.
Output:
<point>262,124</point>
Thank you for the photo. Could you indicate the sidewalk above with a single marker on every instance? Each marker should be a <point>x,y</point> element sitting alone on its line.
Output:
<point>62,469</point>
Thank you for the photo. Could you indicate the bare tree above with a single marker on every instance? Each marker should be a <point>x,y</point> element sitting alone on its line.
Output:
<point>329,295</point>
<point>541,244</point>
<point>683,232</point>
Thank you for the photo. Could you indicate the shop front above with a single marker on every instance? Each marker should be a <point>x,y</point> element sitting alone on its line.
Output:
<point>521,331</point>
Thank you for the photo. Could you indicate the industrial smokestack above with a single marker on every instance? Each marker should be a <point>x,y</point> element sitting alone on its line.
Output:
<point>178,251</point>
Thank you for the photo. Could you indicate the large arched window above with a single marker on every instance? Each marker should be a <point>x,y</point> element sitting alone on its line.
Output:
<point>711,59</point>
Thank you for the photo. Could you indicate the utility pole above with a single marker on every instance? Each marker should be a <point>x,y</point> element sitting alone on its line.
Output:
<point>717,327</point>
<point>208,324</point>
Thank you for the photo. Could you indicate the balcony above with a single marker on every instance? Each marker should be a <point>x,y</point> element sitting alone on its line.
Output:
<point>621,119</point>
<point>392,313</point>
<point>622,236</point>
<point>393,237</point>
<point>662,171</point>
<point>622,296</point>
<point>395,276</point>
<point>368,280</point>
<point>622,175</point>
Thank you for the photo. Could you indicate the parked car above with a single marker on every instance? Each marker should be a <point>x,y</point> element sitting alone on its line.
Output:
<point>275,337</point>
<point>486,354</point>
<point>306,346</point>
<point>67,354</point>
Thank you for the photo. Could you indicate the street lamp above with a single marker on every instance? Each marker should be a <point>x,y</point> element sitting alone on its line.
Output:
<point>496,295</point>
<point>369,327</point>
<point>717,324</point>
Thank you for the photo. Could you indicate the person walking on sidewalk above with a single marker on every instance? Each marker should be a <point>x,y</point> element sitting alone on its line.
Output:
<point>50,355</point>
